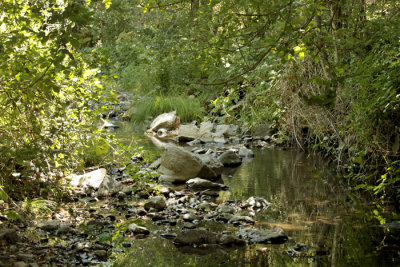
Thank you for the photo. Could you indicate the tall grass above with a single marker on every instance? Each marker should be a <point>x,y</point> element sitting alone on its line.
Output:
<point>188,109</point>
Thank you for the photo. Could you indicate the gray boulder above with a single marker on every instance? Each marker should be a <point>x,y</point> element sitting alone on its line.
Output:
<point>212,167</point>
<point>202,183</point>
<point>179,163</point>
<point>230,158</point>
<point>157,203</point>
<point>169,121</point>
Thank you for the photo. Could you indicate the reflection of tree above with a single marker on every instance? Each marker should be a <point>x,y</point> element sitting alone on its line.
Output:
<point>310,200</point>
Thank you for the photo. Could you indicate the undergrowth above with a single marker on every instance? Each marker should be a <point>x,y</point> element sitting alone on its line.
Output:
<point>188,109</point>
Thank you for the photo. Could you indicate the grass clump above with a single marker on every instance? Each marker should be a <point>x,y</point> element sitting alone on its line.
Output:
<point>188,109</point>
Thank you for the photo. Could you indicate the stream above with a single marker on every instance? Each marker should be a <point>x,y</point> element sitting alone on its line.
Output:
<point>324,220</point>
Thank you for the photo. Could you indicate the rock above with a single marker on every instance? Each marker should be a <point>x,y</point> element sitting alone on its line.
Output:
<point>206,131</point>
<point>162,133</point>
<point>230,158</point>
<point>20,264</point>
<point>109,125</point>
<point>225,217</point>
<point>164,190</point>
<point>64,228</point>
<point>205,206</point>
<point>194,142</point>
<point>49,225</point>
<point>25,257</point>
<point>101,254</point>
<point>136,229</point>
<point>220,139</point>
<point>202,183</point>
<point>155,164</point>
<point>238,219</point>
<point>188,132</point>
<point>225,130</point>
<point>109,186</point>
<point>227,240</point>
<point>298,250</point>
<point>171,179</point>
<point>245,153</point>
<point>168,235</point>
<point>189,217</point>
<point>270,236</point>
<point>127,190</point>
<point>92,179</point>
<point>212,167</point>
<point>9,235</point>
<point>262,130</point>
<point>226,209</point>
<point>169,121</point>
<point>196,237</point>
<point>157,203</point>
<point>256,203</point>
<point>200,236</point>
<point>188,225</point>
<point>179,163</point>
<point>155,216</point>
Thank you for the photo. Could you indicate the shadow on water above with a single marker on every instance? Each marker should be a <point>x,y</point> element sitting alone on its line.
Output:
<point>308,202</point>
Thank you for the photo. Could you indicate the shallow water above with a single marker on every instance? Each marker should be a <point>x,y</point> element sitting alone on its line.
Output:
<point>308,202</point>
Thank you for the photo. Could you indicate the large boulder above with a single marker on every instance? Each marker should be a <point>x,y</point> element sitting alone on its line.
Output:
<point>188,132</point>
<point>168,121</point>
<point>212,167</point>
<point>91,179</point>
<point>179,163</point>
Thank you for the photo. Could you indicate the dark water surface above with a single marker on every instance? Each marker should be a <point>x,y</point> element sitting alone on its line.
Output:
<point>309,203</point>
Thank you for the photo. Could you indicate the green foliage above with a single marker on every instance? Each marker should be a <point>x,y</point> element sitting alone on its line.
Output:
<point>47,94</point>
<point>188,109</point>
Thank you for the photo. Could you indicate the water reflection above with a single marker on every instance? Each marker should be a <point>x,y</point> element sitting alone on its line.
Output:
<point>308,203</point>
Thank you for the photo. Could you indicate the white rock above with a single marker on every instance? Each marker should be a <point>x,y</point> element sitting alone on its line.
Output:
<point>92,179</point>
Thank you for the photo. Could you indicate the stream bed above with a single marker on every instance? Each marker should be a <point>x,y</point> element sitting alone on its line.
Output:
<point>324,220</point>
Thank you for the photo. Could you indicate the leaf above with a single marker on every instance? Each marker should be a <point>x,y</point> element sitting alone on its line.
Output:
<point>13,215</point>
<point>3,194</point>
